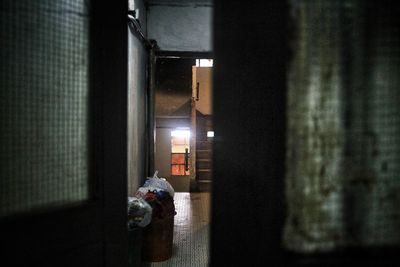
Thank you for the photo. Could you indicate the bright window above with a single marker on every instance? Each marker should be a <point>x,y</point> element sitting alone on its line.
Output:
<point>204,62</point>
<point>180,148</point>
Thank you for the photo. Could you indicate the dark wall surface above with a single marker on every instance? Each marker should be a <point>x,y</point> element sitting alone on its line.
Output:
<point>174,86</point>
<point>249,143</point>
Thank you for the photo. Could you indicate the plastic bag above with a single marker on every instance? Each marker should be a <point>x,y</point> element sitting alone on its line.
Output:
<point>139,212</point>
<point>159,183</point>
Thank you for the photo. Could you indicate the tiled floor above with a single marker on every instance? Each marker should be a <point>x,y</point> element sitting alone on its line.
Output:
<point>191,230</point>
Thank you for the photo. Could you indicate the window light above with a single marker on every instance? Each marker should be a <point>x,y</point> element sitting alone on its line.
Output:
<point>180,133</point>
<point>204,62</point>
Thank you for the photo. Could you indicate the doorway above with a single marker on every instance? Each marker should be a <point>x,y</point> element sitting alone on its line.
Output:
<point>183,112</point>
<point>183,151</point>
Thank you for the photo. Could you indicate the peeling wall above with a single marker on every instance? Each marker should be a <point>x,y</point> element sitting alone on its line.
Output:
<point>343,127</point>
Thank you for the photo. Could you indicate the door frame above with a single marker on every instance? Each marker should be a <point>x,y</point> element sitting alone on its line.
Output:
<point>192,55</point>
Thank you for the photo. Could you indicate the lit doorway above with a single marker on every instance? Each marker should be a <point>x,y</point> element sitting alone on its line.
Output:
<point>184,132</point>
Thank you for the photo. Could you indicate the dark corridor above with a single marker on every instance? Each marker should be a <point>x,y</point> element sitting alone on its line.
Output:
<point>306,117</point>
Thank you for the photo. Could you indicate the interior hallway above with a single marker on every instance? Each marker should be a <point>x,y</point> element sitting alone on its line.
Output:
<point>191,231</point>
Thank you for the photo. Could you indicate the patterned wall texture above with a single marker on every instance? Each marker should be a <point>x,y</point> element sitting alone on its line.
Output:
<point>43,104</point>
<point>343,168</point>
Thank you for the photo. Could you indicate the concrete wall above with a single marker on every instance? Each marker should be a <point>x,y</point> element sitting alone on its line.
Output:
<point>181,25</point>
<point>137,110</point>
<point>343,127</point>
<point>204,78</point>
<point>163,152</point>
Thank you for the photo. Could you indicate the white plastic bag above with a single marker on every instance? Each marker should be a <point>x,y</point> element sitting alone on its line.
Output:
<point>139,212</point>
<point>159,183</point>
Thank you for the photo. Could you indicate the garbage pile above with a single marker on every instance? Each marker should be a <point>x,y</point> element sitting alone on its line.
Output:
<point>152,201</point>
<point>159,194</point>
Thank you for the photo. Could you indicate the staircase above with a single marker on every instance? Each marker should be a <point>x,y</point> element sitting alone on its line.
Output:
<point>203,153</point>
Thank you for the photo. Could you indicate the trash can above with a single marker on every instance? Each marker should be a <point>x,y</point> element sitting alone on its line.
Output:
<point>135,247</point>
<point>158,235</point>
